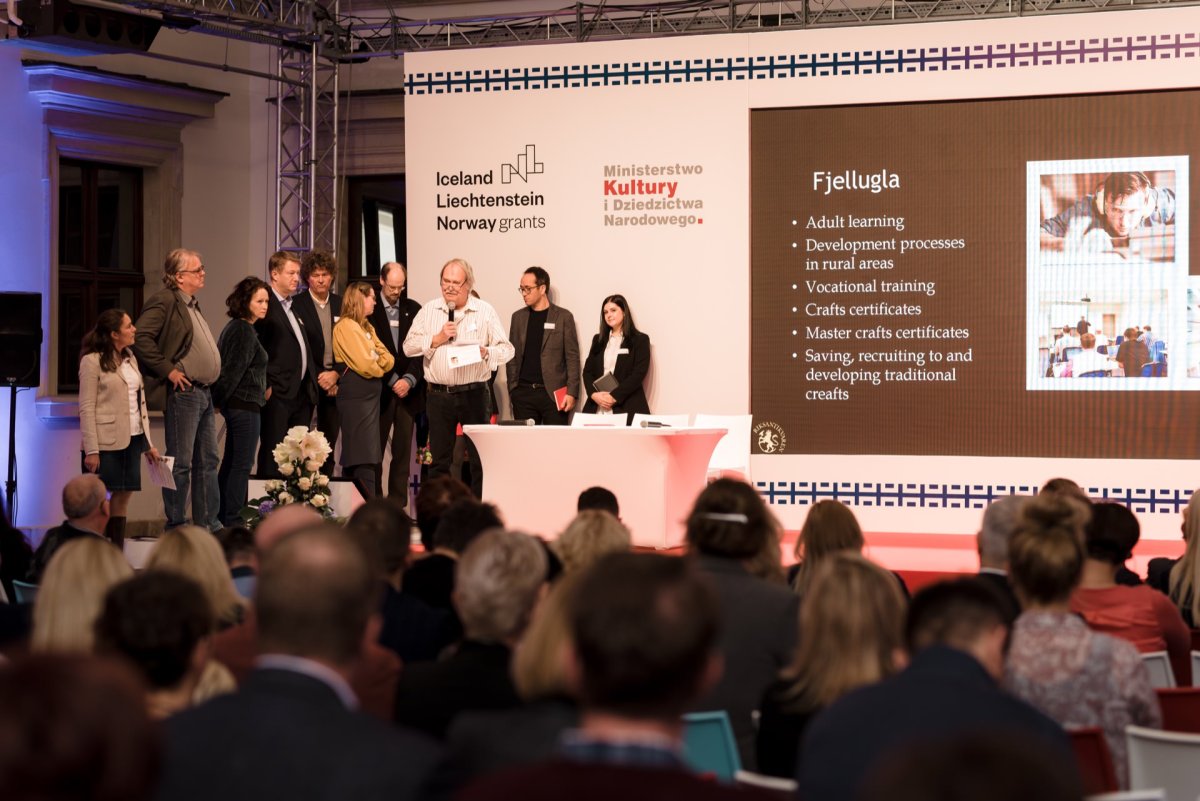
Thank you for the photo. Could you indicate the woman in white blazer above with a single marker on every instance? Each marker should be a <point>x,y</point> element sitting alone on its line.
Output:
<point>112,413</point>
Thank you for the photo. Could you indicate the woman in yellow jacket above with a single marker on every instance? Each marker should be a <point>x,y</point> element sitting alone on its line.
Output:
<point>363,361</point>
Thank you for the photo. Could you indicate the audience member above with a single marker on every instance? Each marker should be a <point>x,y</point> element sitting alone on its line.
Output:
<point>1133,353</point>
<point>193,552</point>
<point>999,521</point>
<point>829,527</point>
<point>1068,487</point>
<point>1055,662</point>
<point>74,728</point>
<point>956,634</point>
<point>498,581</point>
<point>589,536</point>
<point>160,622</point>
<point>432,578</point>
<point>435,496</point>
<point>729,524</point>
<point>1180,578</point>
<point>237,545</point>
<point>414,630</point>
<point>981,767</point>
<point>851,634</point>
<point>85,504</point>
<point>282,521</point>
<point>486,741</point>
<point>599,498</point>
<point>1143,616</point>
<point>644,631</point>
<point>72,594</point>
<point>278,735</point>
<point>15,555</point>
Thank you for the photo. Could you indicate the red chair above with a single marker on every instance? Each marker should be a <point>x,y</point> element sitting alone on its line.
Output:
<point>1180,708</point>
<point>1196,639</point>
<point>1095,762</point>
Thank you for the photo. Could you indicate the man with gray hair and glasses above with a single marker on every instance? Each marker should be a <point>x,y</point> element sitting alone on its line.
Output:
<point>178,355</point>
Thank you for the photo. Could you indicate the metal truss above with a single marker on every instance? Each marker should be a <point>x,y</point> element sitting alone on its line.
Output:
<point>306,167</point>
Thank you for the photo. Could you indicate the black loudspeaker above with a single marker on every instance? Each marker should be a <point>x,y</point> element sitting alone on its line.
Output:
<point>68,27</point>
<point>20,338</point>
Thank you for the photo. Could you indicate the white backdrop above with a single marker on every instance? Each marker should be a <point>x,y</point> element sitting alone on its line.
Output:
<point>686,101</point>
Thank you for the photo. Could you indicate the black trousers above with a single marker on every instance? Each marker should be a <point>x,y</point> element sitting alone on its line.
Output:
<point>396,425</point>
<point>327,424</point>
<point>277,417</point>
<point>534,403</point>
<point>446,411</point>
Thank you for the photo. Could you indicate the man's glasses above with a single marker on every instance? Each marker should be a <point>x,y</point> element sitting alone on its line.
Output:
<point>453,284</point>
<point>199,269</point>
<point>525,290</point>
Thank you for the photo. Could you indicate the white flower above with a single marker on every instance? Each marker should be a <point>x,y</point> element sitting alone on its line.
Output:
<point>285,498</point>
<point>314,447</point>
<point>318,501</point>
<point>295,434</point>
<point>322,481</point>
<point>312,465</point>
<point>304,483</point>
<point>287,469</point>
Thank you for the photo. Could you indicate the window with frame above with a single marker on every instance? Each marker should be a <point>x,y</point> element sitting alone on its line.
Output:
<point>99,253</point>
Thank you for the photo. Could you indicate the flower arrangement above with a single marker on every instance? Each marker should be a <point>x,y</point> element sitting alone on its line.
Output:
<point>299,458</point>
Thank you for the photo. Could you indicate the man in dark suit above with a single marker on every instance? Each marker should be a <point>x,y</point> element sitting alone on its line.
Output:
<point>291,367</point>
<point>956,634</point>
<point>403,395</point>
<point>291,730</point>
<point>546,358</point>
<point>85,503</point>
<point>318,309</point>
<point>1000,520</point>
<point>644,637</point>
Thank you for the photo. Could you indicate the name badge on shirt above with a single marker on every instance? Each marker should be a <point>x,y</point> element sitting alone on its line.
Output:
<point>622,351</point>
<point>548,326</point>
<point>394,323</point>
<point>336,318</point>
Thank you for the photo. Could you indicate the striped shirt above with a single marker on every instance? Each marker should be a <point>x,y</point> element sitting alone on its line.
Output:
<point>477,324</point>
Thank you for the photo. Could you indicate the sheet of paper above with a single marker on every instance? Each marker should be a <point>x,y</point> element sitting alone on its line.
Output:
<point>463,355</point>
<point>160,472</point>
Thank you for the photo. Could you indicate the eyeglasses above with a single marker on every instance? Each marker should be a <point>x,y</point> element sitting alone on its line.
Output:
<point>453,284</point>
<point>199,269</point>
<point>525,290</point>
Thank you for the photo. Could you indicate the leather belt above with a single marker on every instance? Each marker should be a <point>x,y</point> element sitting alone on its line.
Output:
<point>452,389</point>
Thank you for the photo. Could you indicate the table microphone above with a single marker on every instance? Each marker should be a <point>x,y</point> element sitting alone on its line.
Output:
<point>514,422</point>
<point>654,424</point>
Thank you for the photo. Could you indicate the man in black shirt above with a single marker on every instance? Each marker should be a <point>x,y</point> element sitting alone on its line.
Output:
<point>546,358</point>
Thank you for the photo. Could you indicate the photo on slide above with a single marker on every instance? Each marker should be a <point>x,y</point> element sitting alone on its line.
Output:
<point>1107,289</point>
<point>1117,216</point>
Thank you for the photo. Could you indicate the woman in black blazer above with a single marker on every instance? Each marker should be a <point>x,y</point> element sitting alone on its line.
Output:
<point>623,350</point>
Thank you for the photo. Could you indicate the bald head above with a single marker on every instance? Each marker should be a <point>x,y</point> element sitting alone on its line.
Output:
<point>83,497</point>
<point>282,521</point>
<point>999,522</point>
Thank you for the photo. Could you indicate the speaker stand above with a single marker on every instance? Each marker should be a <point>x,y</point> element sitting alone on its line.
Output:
<point>10,486</point>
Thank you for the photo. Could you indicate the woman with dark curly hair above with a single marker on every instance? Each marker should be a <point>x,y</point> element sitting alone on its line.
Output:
<point>240,392</point>
<point>113,418</point>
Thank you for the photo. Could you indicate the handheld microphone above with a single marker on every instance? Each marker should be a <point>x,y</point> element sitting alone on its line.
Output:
<point>450,306</point>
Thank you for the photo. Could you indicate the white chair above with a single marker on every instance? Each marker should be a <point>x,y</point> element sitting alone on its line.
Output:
<point>1159,667</point>
<point>1196,668</point>
<point>1164,759</point>
<point>776,783</point>
<point>668,420</point>
<point>582,419</point>
<point>733,451</point>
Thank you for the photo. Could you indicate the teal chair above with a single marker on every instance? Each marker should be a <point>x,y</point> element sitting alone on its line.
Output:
<point>25,593</point>
<point>708,746</point>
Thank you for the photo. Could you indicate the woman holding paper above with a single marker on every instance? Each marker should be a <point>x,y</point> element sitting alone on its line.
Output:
<point>620,353</point>
<point>112,414</point>
<point>363,360</point>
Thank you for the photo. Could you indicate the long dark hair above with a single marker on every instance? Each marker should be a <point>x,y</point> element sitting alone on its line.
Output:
<point>628,329</point>
<point>99,339</point>
<point>238,302</point>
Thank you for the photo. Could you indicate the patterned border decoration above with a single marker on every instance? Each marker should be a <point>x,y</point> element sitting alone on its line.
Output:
<point>954,496</point>
<point>1113,49</point>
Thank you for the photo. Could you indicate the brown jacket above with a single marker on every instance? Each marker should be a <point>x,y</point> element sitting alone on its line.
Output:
<point>560,350</point>
<point>164,336</point>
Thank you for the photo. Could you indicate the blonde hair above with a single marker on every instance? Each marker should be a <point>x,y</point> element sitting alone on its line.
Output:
<point>592,534</point>
<point>829,528</point>
<point>352,302</point>
<point>71,595</point>
<point>193,552</point>
<point>539,658</point>
<point>1185,575</point>
<point>853,628</point>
